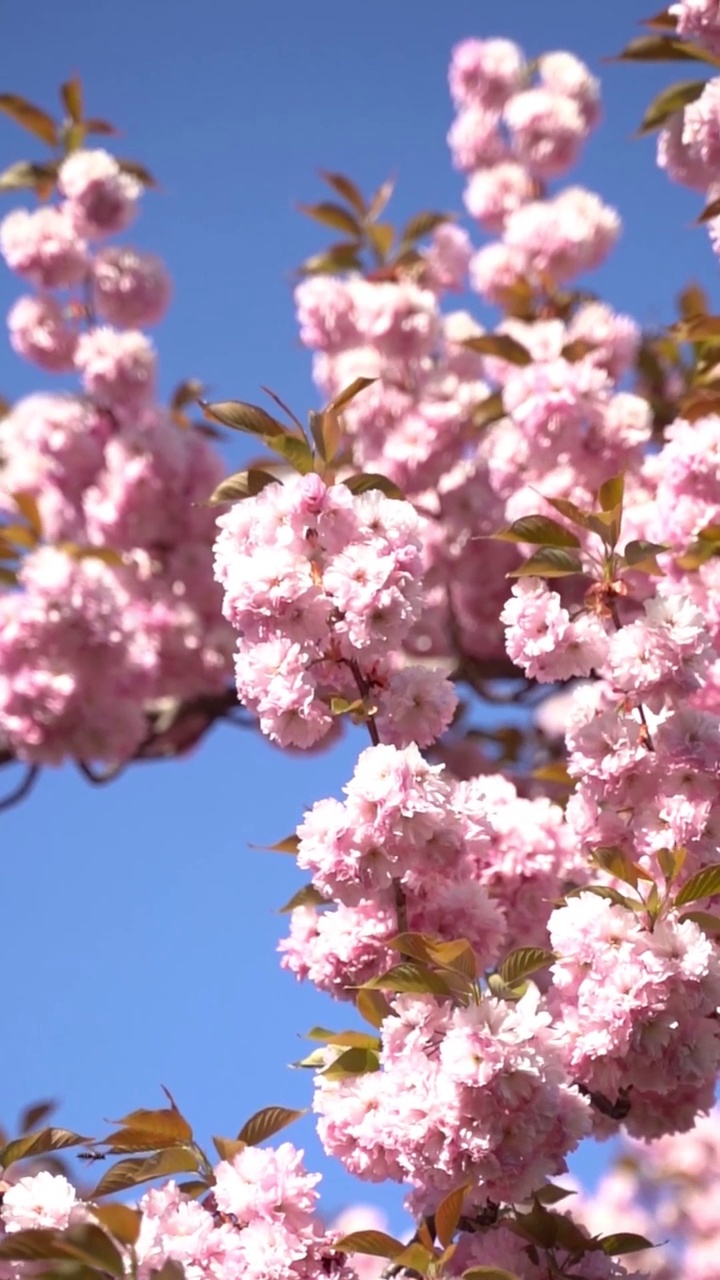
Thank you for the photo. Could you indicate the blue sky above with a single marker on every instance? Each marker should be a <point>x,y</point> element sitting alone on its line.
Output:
<point>139,929</point>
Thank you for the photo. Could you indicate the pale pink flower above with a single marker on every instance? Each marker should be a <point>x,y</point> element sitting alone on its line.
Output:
<point>561,72</point>
<point>101,198</point>
<point>699,20</point>
<point>41,1200</point>
<point>475,139</point>
<point>677,157</point>
<point>496,268</point>
<point>130,290</point>
<point>44,247</point>
<point>485,72</point>
<point>117,368</point>
<point>547,130</point>
<point>448,257</point>
<point>493,193</point>
<point>39,332</point>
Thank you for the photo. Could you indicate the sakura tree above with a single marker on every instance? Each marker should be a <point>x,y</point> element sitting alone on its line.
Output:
<point>520,922</point>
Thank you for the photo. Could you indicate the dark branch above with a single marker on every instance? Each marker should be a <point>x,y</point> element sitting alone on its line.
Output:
<point>24,787</point>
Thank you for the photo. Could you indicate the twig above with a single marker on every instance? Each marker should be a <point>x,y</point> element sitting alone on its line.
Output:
<point>32,773</point>
<point>285,408</point>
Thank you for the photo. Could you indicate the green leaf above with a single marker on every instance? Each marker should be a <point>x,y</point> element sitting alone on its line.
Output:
<point>346,188</point>
<point>308,896</point>
<point>610,493</point>
<point>616,863</point>
<point>133,168</point>
<point>415,1257</point>
<point>326,433</point>
<point>538,529</point>
<point>365,483</point>
<point>130,1173</point>
<point>501,991</point>
<point>86,1243</point>
<point>380,200</point>
<point>577,350</point>
<point>701,328</point>
<point>455,954</point>
<point>664,49</point>
<point>488,1273</point>
<point>352,1062</point>
<point>35,1113</point>
<point>120,1220</point>
<point>170,1270</point>
<point>337,258</point>
<point>410,977</point>
<point>447,1214</point>
<point>25,175</point>
<point>244,417</point>
<point>671,862</point>
<point>624,1242</point>
<point>332,215</point>
<point>668,101</point>
<point>704,884</point>
<point>346,706</point>
<point>501,345</point>
<point>265,1123</point>
<point>36,1144</point>
<point>72,99</point>
<point>711,533</point>
<point>524,961</point>
<point>243,484</point>
<point>313,1061</point>
<point>423,224</point>
<point>549,562</point>
<point>381,236</point>
<point>344,1039</point>
<point>194,1188</point>
<point>570,511</point>
<point>693,301</point>
<point>356,386</point>
<point>705,920</point>
<point>488,411</point>
<point>165,1120</point>
<point>27,505</point>
<point>30,117</point>
<point>294,450</point>
<point>551,1193</point>
<point>372,1006</point>
<point>376,1244</point>
<point>290,844</point>
<point>638,552</point>
<point>711,210</point>
<point>663,21</point>
<point>556,772</point>
<point>228,1148</point>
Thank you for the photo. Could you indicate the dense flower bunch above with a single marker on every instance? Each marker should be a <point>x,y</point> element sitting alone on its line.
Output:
<point>620,1020</point>
<point>115,608</point>
<point>323,586</point>
<point>538,502</point>
<point>258,1221</point>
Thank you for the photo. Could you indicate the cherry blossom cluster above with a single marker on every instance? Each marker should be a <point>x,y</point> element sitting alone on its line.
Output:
<point>259,1220</point>
<point>688,147</point>
<point>663,1188</point>
<point>511,137</point>
<point>115,608</point>
<point>323,585</point>
<point>474,1096</point>
<point>473,859</point>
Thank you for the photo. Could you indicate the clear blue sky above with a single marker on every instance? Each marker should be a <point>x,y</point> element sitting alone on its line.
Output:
<point>139,929</point>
